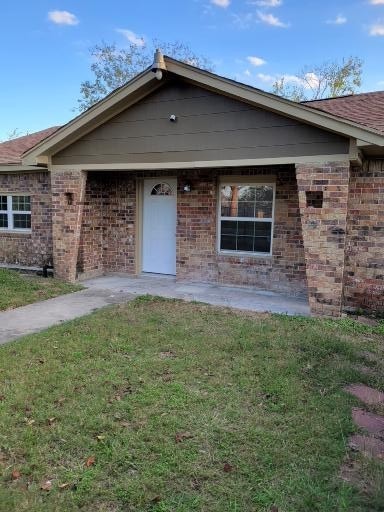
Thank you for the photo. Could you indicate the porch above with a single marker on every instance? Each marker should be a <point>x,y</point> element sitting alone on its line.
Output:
<point>246,298</point>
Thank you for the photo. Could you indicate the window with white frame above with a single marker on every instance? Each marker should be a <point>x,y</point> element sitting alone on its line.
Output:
<point>246,217</point>
<point>15,213</point>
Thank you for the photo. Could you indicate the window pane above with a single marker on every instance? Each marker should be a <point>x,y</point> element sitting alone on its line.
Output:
<point>245,243</point>
<point>246,209</point>
<point>264,201</point>
<point>21,203</point>
<point>245,228</point>
<point>161,189</point>
<point>228,243</point>
<point>229,204</point>
<point>229,227</point>
<point>3,203</point>
<point>21,221</point>
<point>3,220</point>
<point>246,236</point>
<point>262,244</point>
<point>263,228</point>
<point>246,194</point>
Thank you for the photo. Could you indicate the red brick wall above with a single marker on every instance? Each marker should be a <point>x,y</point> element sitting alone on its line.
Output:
<point>108,233</point>
<point>197,257</point>
<point>108,230</point>
<point>68,194</point>
<point>35,248</point>
<point>364,265</point>
<point>324,233</point>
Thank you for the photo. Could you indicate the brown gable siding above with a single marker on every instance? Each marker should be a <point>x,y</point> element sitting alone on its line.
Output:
<point>209,126</point>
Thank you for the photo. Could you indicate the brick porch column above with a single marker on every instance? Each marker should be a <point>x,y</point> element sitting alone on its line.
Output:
<point>323,201</point>
<point>68,189</point>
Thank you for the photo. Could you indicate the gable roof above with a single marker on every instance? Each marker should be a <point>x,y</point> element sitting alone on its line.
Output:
<point>366,109</point>
<point>146,82</point>
<point>11,151</point>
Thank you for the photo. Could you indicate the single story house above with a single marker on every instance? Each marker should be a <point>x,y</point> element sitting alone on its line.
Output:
<point>184,172</point>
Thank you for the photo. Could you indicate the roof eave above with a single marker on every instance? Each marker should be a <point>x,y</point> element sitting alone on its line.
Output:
<point>276,103</point>
<point>146,82</point>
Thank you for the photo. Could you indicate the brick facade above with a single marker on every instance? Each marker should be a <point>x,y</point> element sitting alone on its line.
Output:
<point>68,190</point>
<point>197,255</point>
<point>324,232</point>
<point>108,235</point>
<point>364,265</point>
<point>108,232</point>
<point>34,248</point>
<point>335,252</point>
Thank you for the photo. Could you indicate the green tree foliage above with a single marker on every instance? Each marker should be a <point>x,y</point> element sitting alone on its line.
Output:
<point>326,80</point>
<point>112,67</point>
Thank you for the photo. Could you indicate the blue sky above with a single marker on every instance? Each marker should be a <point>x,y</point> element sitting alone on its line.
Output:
<point>44,44</point>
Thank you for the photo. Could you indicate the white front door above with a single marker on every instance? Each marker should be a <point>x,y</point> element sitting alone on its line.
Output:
<point>159,226</point>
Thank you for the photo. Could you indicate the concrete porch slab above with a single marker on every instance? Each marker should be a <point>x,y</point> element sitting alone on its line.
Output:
<point>247,298</point>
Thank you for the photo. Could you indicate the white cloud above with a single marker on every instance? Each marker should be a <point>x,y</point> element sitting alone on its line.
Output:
<point>270,19</point>
<point>267,3</point>
<point>63,18</point>
<point>377,2</point>
<point>256,61</point>
<point>247,72</point>
<point>266,78</point>
<point>377,29</point>
<point>131,36</point>
<point>221,3</point>
<point>339,20</point>
<point>311,80</point>
<point>243,21</point>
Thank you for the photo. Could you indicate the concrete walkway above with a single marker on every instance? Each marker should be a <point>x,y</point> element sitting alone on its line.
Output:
<point>36,317</point>
<point>237,297</point>
<point>115,289</point>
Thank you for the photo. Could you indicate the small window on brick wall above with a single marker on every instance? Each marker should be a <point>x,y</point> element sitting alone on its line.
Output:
<point>314,199</point>
<point>15,213</point>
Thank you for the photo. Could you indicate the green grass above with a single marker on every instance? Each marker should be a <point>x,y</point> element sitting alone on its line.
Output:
<point>258,398</point>
<point>18,290</point>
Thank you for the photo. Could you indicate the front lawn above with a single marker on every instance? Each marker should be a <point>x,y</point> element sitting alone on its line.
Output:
<point>19,290</point>
<point>163,406</point>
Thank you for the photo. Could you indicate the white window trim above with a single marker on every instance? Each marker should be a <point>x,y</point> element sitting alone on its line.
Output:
<point>236,181</point>
<point>10,212</point>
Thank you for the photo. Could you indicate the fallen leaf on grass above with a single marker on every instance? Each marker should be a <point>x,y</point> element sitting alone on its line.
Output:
<point>29,422</point>
<point>46,486</point>
<point>100,437</point>
<point>227,468</point>
<point>156,499</point>
<point>90,461</point>
<point>181,436</point>
<point>15,474</point>
<point>64,486</point>
<point>51,421</point>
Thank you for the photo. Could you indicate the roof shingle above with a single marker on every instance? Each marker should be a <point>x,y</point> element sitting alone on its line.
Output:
<point>11,151</point>
<point>366,109</point>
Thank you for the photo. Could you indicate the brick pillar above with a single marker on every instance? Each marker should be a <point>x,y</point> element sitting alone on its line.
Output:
<point>324,232</point>
<point>68,190</point>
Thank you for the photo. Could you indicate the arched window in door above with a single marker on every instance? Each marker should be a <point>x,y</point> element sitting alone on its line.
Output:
<point>162,189</point>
